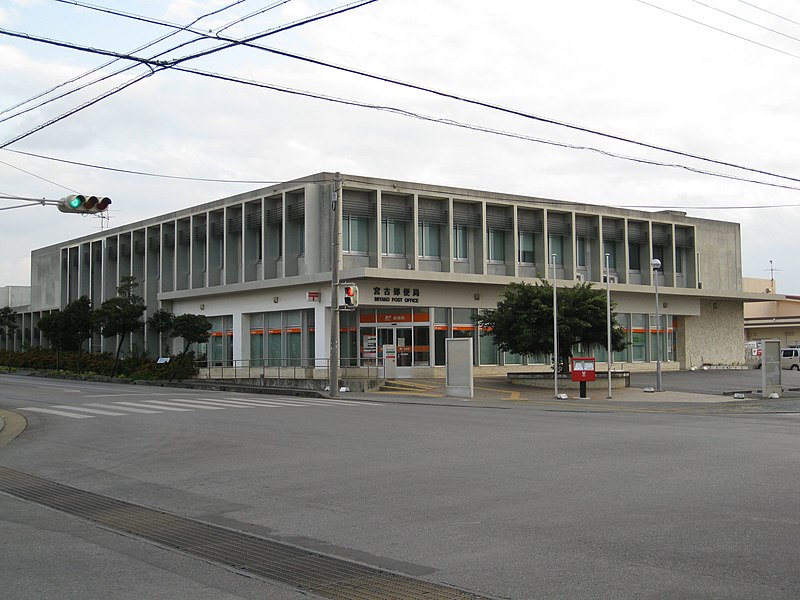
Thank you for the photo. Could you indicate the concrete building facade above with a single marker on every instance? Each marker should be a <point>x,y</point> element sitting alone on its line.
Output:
<point>425,259</point>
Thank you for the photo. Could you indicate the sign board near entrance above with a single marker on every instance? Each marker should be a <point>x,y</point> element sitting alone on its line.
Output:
<point>395,295</point>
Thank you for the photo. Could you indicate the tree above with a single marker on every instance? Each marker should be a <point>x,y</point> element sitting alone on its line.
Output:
<point>68,329</point>
<point>121,315</point>
<point>8,320</point>
<point>161,322</point>
<point>194,329</point>
<point>523,320</point>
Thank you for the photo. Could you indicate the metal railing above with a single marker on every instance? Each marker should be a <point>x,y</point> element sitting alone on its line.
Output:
<point>284,369</point>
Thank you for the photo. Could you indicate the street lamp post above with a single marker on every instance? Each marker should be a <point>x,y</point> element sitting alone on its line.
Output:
<point>609,350</point>
<point>555,329</point>
<point>656,265</point>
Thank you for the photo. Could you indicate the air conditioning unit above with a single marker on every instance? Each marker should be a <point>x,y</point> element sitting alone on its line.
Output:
<point>580,276</point>
<point>610,279</point>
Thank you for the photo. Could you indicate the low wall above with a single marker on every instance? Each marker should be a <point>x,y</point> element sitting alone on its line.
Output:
<point>619,379</point>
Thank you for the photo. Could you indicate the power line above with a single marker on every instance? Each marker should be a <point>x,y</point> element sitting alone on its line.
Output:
<point>769,12</point>
<point>159,65</point>
<point>142,173</point>
<point>177,30</point>
<point>748,21</point>
<point>128,68</point>
<point>740,37</point>
<point>514,112</point>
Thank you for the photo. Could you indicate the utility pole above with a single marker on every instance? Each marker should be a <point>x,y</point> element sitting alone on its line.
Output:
<point>336,258</point>
<point>555,329</point>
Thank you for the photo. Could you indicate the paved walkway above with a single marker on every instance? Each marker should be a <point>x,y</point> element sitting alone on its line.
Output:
<point>497,391</point>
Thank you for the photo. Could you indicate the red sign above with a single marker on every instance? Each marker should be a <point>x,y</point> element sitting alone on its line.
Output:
<point>583,369</point>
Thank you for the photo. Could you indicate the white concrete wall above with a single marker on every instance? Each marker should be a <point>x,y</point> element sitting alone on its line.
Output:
<point>714,337</point>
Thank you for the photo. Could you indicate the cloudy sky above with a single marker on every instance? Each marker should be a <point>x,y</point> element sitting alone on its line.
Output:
<point>715,79</point>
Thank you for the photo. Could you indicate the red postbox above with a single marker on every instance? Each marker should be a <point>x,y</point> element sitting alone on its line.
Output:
<point>583,369</point>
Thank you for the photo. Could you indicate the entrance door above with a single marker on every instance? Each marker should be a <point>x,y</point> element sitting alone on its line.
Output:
<point>401,338</point>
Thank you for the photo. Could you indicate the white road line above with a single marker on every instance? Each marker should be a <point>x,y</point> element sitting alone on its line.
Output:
<point>182,403</point>
<point>309,401</point>
<point>213,402</point>
<point>276,402</point>
<point>129,409</point>
<point>60,413</point>
<point>169,408</point>
<point>122,395</point>
<point>93,411</point>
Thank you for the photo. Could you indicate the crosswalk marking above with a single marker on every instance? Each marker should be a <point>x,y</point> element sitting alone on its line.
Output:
<point>144,411</point>
<point>94,411</point>
<point>180,403</point>
<point>60,413</point>
<point>210,402</point>
<point>169,408</point>
<point>120,408</point>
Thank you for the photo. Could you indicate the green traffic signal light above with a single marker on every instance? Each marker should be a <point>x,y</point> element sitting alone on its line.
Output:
<point>78,203</point>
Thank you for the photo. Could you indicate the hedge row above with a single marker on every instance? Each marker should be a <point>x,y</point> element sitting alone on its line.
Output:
<point>96,363</point>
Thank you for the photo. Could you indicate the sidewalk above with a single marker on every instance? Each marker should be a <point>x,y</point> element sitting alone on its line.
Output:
<point>498,392</point>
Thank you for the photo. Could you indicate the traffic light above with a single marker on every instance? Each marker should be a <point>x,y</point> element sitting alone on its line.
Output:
<point>348,296</point>
<point>78,203</point>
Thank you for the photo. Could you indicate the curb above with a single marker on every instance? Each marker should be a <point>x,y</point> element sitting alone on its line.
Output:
<point>11,425</point>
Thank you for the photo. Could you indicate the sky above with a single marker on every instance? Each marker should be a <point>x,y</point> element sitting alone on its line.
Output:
<point>714,79</point>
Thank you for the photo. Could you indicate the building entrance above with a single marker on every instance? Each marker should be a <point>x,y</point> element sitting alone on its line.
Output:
<point>405,328</point>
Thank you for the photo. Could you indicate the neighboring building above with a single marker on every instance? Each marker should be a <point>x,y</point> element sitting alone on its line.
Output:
<point>775,319</point>
<point>425,258</point>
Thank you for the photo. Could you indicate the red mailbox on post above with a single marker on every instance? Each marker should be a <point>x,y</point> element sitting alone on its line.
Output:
<point>583,369</point>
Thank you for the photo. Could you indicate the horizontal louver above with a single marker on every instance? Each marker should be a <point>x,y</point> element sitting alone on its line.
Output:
<point>138,247</point>
<point>111,252</point>
<point>467,215</point>
<point>359,205</point>
<point>169,239</point>
<point>183,236</point>
<point>585,228</point>
<point>253,220</point>
<point>684,237</point>
<point>296,211</point>
<point>662,235</point>
<point>396,209</point>
<point>217,230</point>
<point>530,221</point>
<point>235,224</point>
<point>499,218</point>
<point>125,249</point>
<point>558,224</point>
<point>199,232</point>
<point>637,232</point>
<point>432,211</point>
<point>273,216</point>
<point>613,230</point>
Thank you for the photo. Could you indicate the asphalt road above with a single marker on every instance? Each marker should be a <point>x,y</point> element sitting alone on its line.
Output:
<point>507,501</point>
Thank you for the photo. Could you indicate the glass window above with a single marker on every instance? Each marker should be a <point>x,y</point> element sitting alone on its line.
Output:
<point>497,245</point>
<point>634,257</point>
<point>679,260</point>
<point>256,339</point>
<point>394,237</point>
<point>459,242</point>
<point>581,251</point>
<point>639,337</point>
<point>422,345</point>
<point>610,248</point>
<point>489,355</point>
<point>658,252</point>
<point>557,248</point>
<point>526,254</point>
<point>355,236</point>
<point>428,241</point>
<point>510,358</point>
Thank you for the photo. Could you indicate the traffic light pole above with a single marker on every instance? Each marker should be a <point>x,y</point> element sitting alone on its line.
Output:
<point>336,257</point>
